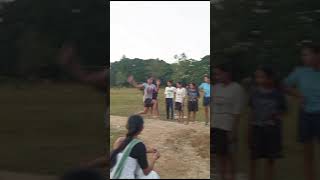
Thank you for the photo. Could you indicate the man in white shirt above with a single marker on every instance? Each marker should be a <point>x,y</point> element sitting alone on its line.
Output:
<point>228,101</point>
<point>179,103</point>
<point>169,94</point>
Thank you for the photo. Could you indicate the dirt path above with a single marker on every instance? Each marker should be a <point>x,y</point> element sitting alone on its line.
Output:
<point>185,149</point>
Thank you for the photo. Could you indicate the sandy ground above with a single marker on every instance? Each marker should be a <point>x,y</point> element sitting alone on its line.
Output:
<point>185,149</point>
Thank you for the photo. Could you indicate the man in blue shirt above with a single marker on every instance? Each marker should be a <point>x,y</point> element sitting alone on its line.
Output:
<point>206,86</point>
<point>306,80</point>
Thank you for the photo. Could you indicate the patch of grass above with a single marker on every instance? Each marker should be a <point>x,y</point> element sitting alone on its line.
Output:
<point>127,101</point>
<point>48,128</point>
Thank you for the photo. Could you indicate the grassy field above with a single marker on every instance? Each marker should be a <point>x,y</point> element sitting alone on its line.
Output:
<point>127,101</point>
<point>48,128</point>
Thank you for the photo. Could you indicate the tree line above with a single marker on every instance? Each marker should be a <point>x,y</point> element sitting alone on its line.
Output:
<point>253,32</point>
<point>185,70</point>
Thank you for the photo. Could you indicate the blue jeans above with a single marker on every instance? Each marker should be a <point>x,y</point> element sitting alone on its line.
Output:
<point>169,107</point>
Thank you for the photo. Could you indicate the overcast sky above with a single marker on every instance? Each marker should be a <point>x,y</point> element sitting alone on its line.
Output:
<point>159,29</point>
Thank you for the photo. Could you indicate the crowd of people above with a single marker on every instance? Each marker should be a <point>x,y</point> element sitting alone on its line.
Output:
<point>176,96</point>
<point>266,99</point>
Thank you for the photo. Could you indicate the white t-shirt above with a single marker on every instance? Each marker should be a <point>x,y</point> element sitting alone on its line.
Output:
<point>169,92</point>
<point>227,101</point>
<point>180,94</point>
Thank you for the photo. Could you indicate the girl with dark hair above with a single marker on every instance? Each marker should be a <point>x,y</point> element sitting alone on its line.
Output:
<point>267,103</point>
<point>129,154</point>
<point>193,97</point>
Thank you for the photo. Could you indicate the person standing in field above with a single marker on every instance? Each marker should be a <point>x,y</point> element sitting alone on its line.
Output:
<point>304,83</point>
<point>149,88</point>
<point>155,107</point>
<point>227,106</point>
<point>206,86</point>
<point>169,95</point>
<point>179,101</point>
<point>193,96</point>
<point>268,104</point>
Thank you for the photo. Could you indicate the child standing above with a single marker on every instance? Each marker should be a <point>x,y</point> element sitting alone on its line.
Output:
<point>169,93</point>
<point>179,104</point>
<point>304,83</point>
<point>155,107</point>
<point>206,86</point>
<point>267,103</point>
<point>193,96</point>
<point>149,88</point>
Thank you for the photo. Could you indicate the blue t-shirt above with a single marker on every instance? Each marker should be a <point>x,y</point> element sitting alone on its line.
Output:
<point>206,88</point>
<point>307,81</point>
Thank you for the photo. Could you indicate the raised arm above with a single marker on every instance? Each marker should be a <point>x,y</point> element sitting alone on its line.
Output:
<point>134,83</point>
<point>67,58</point>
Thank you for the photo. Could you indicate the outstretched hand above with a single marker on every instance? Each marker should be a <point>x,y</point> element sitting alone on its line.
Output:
<point>130,79</point>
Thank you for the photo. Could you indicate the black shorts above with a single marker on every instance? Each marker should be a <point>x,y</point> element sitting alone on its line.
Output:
<point>220,144</point>
<point>148,102</point>
<point>206,101</point>
<point>193,106</point>
<point>266,142</point>
<point>155,96</point>
<point>309,127</point>
<point>178,106</point>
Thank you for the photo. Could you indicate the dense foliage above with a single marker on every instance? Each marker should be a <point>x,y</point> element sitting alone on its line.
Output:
<point>185,70</point>
<point>253,32</point>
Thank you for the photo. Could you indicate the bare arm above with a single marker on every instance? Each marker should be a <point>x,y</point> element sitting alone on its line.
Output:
<point>134,83</point>
<point>153,160</point>
<point>67,58</point>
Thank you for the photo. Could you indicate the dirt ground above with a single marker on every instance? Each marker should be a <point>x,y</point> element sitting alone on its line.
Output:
<point>185,149</point>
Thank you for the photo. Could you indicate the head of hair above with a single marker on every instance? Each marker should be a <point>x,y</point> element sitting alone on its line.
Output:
<point>170,81</point>
<point>227,68</point>
<point>270,73</point>
<point>134,126</point>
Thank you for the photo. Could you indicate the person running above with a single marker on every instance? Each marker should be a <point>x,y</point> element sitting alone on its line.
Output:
<point>268,104</point>
<point>227,104</point>
<point>155,107</point>
<point>179,101</point>
<point>193,96</point>
<point>149,88</point>
<point>129,158</point>
<point>206,86</point>
<point>304,83</point>
<point>169,95</point>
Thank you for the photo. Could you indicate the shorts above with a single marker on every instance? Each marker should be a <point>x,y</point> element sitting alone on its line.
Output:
<point>220,144</point>
<point>155,96</point>
<point>178,106</point>
<point>266,142</point>
<point>193,106</point>
<point>309,127</point>
<point>148,102</point>
<point>206,101</point>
